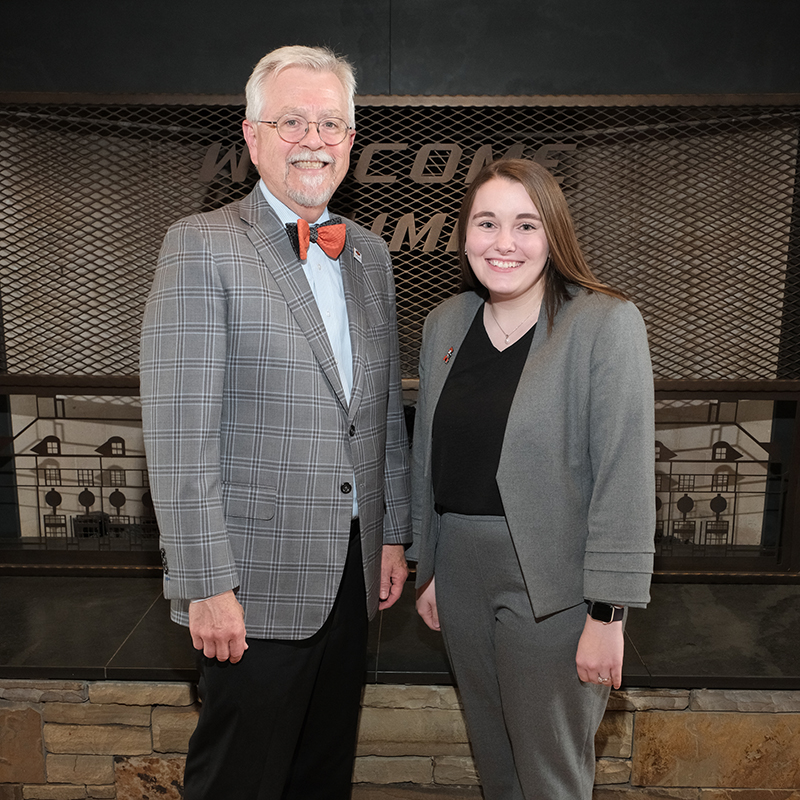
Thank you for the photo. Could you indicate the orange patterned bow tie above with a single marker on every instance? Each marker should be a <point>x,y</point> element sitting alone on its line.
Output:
<point>328,235</point>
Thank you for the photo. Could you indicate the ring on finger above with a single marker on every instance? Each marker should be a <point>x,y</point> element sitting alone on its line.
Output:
<point>601,679</point>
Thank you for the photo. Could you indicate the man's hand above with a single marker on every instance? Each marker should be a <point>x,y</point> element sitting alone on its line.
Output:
<point>600,652</point>
<point>426,605</point>
<point>394,572</point>
<point>217,627</point>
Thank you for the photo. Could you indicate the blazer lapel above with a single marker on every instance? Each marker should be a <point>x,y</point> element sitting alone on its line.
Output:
<point>353,282</point>
<point>449,342</point>
<point>530,370</point>
<point>272,244</point>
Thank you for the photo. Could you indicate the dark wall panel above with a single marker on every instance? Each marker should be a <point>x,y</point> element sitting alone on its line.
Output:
<point>408,46</point>
<point>534,47</point>
<point>179,46</point>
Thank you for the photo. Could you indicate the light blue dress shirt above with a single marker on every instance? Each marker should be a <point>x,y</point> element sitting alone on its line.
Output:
<point>324,276</point>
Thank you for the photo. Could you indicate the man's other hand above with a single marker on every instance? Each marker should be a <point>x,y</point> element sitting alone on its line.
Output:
<point>394,572</point>
<point>217,627</point>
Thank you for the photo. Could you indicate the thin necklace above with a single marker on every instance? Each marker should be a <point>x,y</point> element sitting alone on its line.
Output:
<point>511,333</point>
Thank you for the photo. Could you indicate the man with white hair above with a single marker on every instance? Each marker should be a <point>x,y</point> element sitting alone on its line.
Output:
<point>276,446</point>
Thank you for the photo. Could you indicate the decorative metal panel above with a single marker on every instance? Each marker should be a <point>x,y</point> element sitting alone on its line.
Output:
<point>722,476</point>
<point>690,209</point>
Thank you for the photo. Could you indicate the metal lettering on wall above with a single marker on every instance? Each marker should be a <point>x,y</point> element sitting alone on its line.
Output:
<point>692,210</point>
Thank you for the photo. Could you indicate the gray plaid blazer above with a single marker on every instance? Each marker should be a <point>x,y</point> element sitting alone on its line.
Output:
<point>251,444</point>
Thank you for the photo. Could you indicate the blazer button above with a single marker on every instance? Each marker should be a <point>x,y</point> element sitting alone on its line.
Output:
<point>352,430</point>
<point>346,488</point>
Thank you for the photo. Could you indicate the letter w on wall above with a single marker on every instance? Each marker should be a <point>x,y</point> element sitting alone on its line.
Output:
<point>211,167</point>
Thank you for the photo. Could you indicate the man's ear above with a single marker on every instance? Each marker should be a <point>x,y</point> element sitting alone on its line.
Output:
<point>250,138</point>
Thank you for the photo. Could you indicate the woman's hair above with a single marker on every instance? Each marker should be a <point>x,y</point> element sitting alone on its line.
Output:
<point>320,59</point>
<point>566,264</point>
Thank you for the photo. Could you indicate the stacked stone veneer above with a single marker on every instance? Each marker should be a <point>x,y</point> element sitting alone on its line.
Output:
<point>64,740</point>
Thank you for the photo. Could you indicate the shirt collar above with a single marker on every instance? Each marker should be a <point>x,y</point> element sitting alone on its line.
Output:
<point>285,214</point>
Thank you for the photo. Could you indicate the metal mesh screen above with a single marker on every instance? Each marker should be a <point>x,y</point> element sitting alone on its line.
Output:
<point>692,210</point>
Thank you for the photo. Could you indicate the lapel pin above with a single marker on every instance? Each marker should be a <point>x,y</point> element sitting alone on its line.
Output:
<point>447,355</point>
<point>357,256</point>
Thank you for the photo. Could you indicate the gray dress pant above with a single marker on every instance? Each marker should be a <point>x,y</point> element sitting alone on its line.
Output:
<point>531,721</point>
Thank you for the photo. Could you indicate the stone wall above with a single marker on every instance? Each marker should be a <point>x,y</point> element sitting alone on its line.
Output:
<point>70,740</point>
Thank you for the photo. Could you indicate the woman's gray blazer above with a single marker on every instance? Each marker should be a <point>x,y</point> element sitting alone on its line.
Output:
<point>576,472</point>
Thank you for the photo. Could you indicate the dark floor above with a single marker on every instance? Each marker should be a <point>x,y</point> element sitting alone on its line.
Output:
<point>118,628</point>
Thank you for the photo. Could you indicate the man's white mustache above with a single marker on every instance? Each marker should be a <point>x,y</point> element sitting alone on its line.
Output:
<point>311,155</point>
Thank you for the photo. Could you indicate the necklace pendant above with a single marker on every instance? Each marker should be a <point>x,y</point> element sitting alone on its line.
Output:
<point>507,338</point>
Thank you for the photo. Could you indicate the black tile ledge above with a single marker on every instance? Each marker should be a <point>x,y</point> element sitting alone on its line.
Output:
<point>107,628</point>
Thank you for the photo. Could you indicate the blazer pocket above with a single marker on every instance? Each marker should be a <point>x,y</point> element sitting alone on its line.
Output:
<point>375,317</point>
<point>377,330</point>
<point>250,502</point>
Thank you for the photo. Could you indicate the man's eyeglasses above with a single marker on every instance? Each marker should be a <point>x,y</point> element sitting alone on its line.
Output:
<point>293,128</point>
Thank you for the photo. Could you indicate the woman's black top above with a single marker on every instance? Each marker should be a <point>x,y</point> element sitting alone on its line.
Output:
<point>470,422</point>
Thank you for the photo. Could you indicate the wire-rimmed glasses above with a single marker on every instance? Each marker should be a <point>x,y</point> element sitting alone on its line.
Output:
<point>292,128</point>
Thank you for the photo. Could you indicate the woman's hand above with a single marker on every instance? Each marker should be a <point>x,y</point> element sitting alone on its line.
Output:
<point>600,652</point>
<point>426,605</point>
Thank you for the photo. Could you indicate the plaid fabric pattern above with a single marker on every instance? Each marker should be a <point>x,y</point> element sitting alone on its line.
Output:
<point>250,441</point>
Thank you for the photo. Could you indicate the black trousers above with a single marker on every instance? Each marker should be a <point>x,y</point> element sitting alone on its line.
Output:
<point>282,723</point>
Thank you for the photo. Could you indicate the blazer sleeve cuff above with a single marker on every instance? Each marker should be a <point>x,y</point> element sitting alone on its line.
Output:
<point>603,579</point>
<point>189,574</point>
